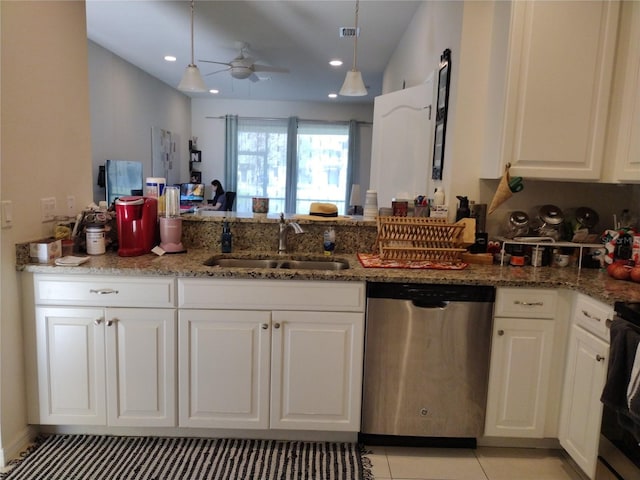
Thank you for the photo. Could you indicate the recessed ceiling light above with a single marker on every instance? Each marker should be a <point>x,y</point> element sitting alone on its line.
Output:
<point>170,58</point>
<point>335,63</point>
<point>333,95</point>
<point>214,91</point>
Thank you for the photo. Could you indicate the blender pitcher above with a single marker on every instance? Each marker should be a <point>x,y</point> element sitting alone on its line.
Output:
<point>171,223</point>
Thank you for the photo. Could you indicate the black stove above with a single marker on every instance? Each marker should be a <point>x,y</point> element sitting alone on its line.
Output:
<point>629,311</point>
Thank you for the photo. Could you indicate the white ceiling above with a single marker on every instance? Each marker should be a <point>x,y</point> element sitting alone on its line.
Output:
<point>300,35</point>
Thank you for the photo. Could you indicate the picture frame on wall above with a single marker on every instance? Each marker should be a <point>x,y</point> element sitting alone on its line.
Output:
<point>442,105</point>
<point>196,156</point>
<point>196,177</point>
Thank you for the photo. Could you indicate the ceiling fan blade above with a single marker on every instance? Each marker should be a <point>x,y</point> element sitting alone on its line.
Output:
<point>217,71</point>
<point>266,68</point>
<point>219,63</point>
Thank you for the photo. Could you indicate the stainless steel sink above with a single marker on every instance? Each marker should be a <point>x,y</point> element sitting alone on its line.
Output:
<point>241,263</point>
<point>315,264</point>
<point>284,263</point>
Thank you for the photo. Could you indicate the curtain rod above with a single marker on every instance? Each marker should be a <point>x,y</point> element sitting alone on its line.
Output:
<point>222,117</point>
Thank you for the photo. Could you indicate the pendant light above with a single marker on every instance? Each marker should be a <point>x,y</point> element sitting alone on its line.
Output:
<point>353,85</point>
<point>191,79</point>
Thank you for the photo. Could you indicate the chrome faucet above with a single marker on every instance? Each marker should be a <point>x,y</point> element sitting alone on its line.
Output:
<point>282,233</point>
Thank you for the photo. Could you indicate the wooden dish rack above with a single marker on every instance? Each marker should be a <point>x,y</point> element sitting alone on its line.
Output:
<point>419,238</point>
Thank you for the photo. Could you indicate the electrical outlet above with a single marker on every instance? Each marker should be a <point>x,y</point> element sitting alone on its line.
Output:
<point>71,205</point>
<point>48,209</point>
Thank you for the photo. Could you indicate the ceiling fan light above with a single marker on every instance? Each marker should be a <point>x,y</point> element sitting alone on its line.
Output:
<point>192,80</point>
<point>353,85</point>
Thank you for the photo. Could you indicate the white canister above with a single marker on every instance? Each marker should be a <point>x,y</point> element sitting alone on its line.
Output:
<point>95,240</point>
<point>154,187</point>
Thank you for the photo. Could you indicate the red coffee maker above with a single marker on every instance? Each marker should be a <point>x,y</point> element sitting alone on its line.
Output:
<point>137,222</point>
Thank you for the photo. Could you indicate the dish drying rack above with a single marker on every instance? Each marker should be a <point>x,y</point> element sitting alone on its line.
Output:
<point>419,238</point>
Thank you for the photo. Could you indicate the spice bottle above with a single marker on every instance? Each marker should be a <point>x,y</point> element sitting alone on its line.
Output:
<point>226,239</point>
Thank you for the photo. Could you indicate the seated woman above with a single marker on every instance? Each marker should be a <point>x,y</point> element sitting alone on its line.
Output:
<point>219,199</point>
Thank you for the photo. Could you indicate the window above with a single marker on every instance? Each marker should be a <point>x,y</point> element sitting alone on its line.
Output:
<point>294,163</point>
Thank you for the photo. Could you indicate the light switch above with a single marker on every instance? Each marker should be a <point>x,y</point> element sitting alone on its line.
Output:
<point>6,213</point>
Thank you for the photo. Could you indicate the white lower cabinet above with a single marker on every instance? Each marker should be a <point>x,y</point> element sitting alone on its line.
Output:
<point>521,357</point>
<point>278,368</point>
<point>585,376</point>
<point>97,365</point>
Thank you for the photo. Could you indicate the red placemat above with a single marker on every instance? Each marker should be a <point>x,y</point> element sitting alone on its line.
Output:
<point>372,260</point>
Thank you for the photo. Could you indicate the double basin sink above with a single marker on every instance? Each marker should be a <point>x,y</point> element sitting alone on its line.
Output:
<point>278,262</point>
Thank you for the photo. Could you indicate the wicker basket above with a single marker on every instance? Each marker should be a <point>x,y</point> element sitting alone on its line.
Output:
<point>419,238</point>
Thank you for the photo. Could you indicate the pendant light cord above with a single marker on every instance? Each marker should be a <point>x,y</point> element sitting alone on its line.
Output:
<point>355,41</point>
<point>193,62</point>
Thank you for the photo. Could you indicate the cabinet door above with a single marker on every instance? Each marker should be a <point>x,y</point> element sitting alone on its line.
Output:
<point>224,368</point>
<point>560,67</point>
<point>316,370</point>
<point>581,412</point>
<point>519,377</point>
<point>141,366</point>
<point>71,368</point>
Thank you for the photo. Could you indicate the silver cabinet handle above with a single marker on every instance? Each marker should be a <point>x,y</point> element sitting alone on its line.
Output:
<point>588,315</point>
<point>104,291</point>
<point>265,326</point>
<point>500,332</point>
<point>528,304</point>
<point>111,322</point>
<point>276,325</point>
<point>599,358</point>
<point>98,321</point>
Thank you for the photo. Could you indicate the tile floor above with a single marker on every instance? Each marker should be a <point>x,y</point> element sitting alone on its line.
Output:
<point>484,463</point>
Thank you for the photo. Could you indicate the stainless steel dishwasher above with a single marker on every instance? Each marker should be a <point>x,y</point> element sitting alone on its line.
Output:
<point>426,360</point>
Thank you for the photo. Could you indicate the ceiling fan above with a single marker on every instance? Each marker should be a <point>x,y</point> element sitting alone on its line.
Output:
<point>243,66</point>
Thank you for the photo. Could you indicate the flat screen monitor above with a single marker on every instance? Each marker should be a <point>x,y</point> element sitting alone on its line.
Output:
<point>191,192</point>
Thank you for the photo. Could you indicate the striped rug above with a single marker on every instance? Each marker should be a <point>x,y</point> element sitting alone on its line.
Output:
<point>98,457</point>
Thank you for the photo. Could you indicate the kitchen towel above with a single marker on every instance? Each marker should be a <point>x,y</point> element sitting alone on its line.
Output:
<point>102,457</point>
<point>372,260</point>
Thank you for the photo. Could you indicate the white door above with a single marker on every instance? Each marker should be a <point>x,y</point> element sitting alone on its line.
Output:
<point>71,369</point>
<point>403,123</point>
<point>581,412</point>
<point>224,368</point>
<point>141,366</point>
<point>519,377</point>
<point>316,370</point>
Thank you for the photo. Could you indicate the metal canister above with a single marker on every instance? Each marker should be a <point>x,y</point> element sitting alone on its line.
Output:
<point>95,240</point>
<point>536,256</point>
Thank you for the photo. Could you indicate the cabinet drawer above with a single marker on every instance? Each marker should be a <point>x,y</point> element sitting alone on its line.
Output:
<point>271,295</point>
<point>105,291</point>
<point>525,303</point>
<point>592,315</point>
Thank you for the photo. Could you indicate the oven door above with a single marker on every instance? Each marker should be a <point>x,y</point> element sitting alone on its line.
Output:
<point>618,449</point>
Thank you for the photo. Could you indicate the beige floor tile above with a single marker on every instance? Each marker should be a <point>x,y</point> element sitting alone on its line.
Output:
<point>434,464</point>
<point>378,457</point>
<point>525,464</point>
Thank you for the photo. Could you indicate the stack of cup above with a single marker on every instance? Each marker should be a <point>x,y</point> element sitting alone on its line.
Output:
<point>370,205</point>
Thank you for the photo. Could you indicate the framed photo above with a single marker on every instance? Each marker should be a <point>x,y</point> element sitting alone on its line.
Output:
<point>196,156</point>
<point>442,104</point>
<point>196,177</point>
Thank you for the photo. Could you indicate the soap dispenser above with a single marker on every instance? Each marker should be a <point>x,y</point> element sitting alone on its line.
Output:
<point>463,208</point>
<point>226,239</point>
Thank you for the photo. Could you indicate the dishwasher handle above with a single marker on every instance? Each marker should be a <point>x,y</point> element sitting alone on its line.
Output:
<point>429,303</point>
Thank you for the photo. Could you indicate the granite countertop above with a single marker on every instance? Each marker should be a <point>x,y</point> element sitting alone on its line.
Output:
<point>595,283</point>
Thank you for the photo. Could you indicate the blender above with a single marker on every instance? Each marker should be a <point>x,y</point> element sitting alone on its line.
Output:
<point>171,223</point>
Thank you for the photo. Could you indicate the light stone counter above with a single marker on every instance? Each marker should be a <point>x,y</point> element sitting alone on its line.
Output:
<point>257,236</point>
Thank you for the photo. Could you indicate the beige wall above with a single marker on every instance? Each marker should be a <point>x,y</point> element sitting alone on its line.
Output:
<point>45,152</point>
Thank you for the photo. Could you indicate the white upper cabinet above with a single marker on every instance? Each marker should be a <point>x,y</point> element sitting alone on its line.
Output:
<point>550,86</point>
<point>623,134</point>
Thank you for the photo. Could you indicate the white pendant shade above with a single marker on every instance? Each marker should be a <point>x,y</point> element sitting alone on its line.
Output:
<point>353,85</point>
<point>192,80</point>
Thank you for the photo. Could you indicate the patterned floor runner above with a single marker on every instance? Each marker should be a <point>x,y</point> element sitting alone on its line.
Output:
<point>100,457</point>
